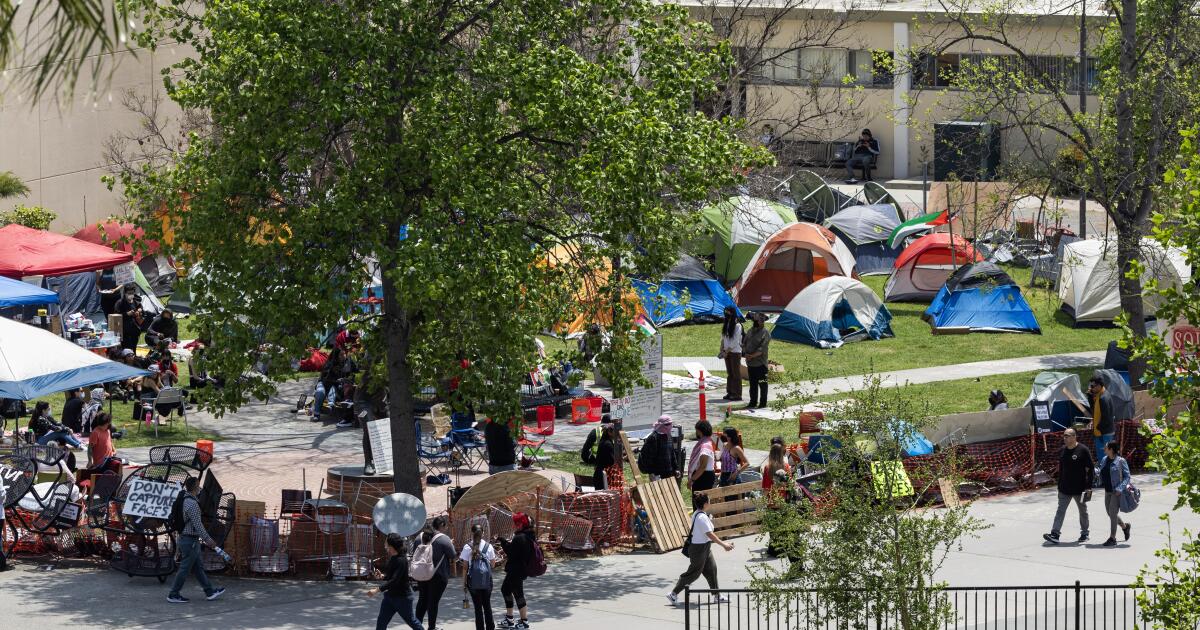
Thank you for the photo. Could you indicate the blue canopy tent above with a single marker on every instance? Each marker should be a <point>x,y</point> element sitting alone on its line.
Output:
<point>35,362</point>
<point>689,292</point>
<point>981,298</point>
<point>17,293</point>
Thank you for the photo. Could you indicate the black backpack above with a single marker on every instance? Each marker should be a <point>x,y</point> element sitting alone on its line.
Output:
<point>176,522</point>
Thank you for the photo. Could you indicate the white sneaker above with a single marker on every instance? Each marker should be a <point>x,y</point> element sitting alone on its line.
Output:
<point>724,599</point>
<point>673,598</point>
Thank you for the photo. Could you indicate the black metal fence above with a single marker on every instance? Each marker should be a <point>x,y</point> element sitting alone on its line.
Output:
<point>1073,607</point>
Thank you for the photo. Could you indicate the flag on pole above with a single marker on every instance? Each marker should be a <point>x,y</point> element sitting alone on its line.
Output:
<point>923,223</point>
<point>644,326</point>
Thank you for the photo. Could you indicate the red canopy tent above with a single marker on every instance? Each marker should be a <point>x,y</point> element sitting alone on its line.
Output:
<point>29,252</point>
<point>110,234</point>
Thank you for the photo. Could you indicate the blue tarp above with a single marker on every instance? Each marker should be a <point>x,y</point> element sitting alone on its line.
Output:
<point>911,440</point>
<point>17,293</point>
<point>986,308</point>
<point>664,302</point>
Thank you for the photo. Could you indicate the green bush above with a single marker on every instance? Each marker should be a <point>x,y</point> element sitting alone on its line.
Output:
<point>35,217</point>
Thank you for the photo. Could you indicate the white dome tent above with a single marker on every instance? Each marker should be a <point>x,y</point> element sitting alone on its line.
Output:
<point>1088,280</point>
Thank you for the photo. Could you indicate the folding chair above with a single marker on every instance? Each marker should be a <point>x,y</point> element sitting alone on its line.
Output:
<point>533,438</point>
<point>464,438</point>
<point>166,396</point>
<point>434,452</point>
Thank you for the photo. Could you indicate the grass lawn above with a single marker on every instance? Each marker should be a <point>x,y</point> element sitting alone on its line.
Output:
<point>942,398</point>
<point>914,345</point>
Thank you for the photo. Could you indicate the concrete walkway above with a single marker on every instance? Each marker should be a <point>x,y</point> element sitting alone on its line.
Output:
<point>586,593</point>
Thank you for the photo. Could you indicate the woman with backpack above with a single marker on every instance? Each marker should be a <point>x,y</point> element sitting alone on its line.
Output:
<point>478,556</point>
<point>437,550</point>
<point>521,555</point>
<point>396,589</point>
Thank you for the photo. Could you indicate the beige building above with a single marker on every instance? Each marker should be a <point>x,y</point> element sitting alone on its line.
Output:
<point>57,146</point>
<point>847,77</point>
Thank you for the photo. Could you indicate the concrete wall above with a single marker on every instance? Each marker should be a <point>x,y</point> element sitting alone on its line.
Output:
<point>982,426</point>
<point>56,145</point>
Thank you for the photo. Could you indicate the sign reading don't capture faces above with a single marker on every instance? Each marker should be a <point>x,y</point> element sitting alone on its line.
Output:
<point>150,499</point>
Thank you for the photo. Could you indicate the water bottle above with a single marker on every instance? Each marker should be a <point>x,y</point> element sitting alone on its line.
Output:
<point>224,556</point>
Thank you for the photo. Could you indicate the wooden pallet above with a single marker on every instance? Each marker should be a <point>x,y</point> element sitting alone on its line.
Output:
<point>667,515</point>
<point>732,514</point>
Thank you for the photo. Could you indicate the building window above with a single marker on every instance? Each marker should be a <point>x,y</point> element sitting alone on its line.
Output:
<point>872,67</point>
<point>1041,71</point>
<point>823,66</point>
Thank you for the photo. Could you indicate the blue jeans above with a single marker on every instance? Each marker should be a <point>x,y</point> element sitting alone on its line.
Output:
<point>189,562</point>
<point>1101,442</point>
<point>319,397</point>
<point>498,469</point>
<point>391,605</point>
<point>59,436</point>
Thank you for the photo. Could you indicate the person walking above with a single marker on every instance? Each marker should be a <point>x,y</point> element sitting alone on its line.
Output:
<point>657,457</point>
<point>429,592</point>
<point>1075,470</point>
<point>1114,475</point>
<point>518,554</point>
<point>733,456</point>
<point>478,557</point>
<point>731,351</point>
<point>396,588</point>
<point>189,541</point>
<point>1104,424</point>
<point>699,552</point>
<point>702,463</point>
<point>754,348</point>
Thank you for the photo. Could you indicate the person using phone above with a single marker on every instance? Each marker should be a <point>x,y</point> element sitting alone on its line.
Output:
<point>1075,471</point>
<point>865,152</point>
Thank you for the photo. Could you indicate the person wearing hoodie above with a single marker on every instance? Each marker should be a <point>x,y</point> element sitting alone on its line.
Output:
<point>519,552</point>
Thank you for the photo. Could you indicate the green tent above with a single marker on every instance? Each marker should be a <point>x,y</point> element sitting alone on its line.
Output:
<point>739,225</point>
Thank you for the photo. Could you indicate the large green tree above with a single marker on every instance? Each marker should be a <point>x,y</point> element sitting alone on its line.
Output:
<point>450,144</point>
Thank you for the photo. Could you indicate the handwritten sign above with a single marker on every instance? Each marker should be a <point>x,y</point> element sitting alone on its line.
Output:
<point>150,499</point>
<point>644,404</point>
<point>380,434</point>
<point>123,274</point>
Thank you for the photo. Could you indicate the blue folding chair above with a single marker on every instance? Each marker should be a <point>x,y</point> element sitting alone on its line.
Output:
<point>434,452</point>
<point>467,441</point>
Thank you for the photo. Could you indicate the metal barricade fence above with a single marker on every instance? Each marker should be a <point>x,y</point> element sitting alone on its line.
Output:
<point>1070,607</point>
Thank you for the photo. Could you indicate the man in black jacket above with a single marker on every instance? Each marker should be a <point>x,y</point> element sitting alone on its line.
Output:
<point>1075,470</point>
<point>72,411</point>
<point>132,318</point>
<point>1104,423</point>
<point>657,458</point>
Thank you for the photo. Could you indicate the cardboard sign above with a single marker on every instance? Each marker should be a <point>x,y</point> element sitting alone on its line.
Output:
<point>1041,416</point>
<point>150,499</point>
<point>644,404</point>
<point>123,274</point>
<point>890,480</point>
<point>380,434</point>
<point>1182,338</point>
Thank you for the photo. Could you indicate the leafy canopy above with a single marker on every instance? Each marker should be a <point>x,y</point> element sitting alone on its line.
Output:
<point>449,145</point>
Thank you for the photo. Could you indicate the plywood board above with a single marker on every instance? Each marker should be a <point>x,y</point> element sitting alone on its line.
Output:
<point>503,485</point>
<point>238,542</point>
<point>665,512</point>
<point>628,454</point>
<point>949,492</point>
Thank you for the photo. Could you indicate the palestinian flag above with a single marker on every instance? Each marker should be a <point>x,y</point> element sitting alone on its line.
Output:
<point>643,326</point>
<point>923,223</point>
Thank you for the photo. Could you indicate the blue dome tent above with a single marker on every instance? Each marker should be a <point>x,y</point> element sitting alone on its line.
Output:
<point>689,292</point>
<point>981,298</point>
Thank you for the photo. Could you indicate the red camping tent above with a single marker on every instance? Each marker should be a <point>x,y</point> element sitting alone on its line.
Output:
<point>110,233</point>
<point>29,252</point>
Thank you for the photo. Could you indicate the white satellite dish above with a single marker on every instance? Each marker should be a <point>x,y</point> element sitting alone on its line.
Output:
<point>399,513</point>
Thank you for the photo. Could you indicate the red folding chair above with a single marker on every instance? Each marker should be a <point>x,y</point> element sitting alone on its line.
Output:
<point>533,438</point>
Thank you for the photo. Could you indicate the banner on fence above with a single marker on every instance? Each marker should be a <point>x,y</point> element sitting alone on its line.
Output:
<point>150,499</point>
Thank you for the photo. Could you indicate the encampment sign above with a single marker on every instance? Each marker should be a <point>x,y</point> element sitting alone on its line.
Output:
<point>150,499</point>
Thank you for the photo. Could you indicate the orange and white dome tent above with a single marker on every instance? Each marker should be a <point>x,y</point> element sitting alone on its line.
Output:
<point>792,258</point>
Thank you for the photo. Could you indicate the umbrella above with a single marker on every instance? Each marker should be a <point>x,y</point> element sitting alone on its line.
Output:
<point>923,223</point>
<point>34,362</point>
<point>17,293</point>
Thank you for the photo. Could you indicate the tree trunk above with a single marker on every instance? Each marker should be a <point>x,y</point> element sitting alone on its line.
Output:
<point>1129,240</point>
<point>397,328</point>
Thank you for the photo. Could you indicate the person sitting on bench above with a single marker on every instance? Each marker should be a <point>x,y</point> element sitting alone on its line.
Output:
<point>864,155</point>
